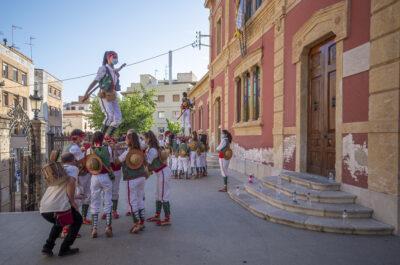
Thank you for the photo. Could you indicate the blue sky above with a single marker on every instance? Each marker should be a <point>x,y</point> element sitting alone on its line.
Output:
<point>71,36</point>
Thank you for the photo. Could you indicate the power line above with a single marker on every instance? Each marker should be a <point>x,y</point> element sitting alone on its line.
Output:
<point>87,75</point>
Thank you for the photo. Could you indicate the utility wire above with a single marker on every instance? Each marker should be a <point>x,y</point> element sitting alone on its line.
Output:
<point>83,76</point>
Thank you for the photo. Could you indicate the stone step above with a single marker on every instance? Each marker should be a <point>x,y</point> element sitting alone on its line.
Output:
<point>323,196</point>
<point>284,202</point>
<point>310,181</point>
<point>323,224</point>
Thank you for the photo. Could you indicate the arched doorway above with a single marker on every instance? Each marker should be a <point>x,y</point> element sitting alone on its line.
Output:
<point>217,120</point>
<point>21,161</point>
<point>321,126</point>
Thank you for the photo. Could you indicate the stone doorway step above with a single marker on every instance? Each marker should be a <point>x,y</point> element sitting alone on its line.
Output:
<point>318,204</point>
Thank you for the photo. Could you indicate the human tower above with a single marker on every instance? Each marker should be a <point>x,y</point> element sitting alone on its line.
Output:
<point>91,172</point>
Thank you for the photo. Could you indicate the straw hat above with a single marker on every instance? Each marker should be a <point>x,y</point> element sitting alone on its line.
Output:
<point>134,159</point>
<point>93,164</point>
<point>228,154</point>
<point>192,145</point>
<point>164,155</point>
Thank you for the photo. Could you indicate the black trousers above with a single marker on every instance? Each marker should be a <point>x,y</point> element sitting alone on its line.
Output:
<point>56,230</point>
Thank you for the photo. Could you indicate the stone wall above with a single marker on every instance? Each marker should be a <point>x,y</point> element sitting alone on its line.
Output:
<point>4,164</point>
<point>39,150</point>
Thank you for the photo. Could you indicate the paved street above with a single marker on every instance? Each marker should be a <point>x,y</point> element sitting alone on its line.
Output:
<point>208,228</point>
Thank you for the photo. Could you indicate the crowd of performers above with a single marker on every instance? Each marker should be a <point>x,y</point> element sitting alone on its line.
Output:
<point>92,172</point>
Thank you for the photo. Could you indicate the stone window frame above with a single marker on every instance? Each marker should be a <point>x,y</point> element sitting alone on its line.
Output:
<point>160,97</point>
<point>5,68</point>
<point>6,99</point>
<point>200,110</point>
<point>330,22</point>
<point>24,78</point>
<point>218,22</point>
<point>176,98</point>
<point>248,65</point>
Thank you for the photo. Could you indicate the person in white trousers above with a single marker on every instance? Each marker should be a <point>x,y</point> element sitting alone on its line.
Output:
<point>164,174</point>
<point>193,145</point>
<point>108,79</point>
<point>226,139</point>
<point>77,137</point>
<point>135,179</point>
<point>101,183</point>
<point>186,109</point>
<point>183,159</point>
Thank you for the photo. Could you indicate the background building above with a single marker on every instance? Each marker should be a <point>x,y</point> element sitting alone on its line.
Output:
<point>168,97</point>
<point>50,88</point>
<point>17,72</point>
<point>200,115</point>
<point>76,116</point>
<point>313,87</point>
<point>16,130</point>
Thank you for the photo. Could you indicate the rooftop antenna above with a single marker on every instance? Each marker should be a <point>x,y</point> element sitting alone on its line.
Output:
<point>30,44</point>
<point>13,28</point>
<point>155,73</point>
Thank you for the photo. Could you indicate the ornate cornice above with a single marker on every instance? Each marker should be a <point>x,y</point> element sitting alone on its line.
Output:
<point>330,21</point>
<point>261,22</point>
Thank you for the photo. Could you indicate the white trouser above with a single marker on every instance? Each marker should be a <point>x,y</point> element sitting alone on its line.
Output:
<point>98,184</point>
<point>115,184</point>
<point>112,112</point>
<point>224,165</point>
<point>185,119</point>
<point>174,162</point>
<point>84,182</point>
<point>201,160</point>
<point>183,163</point>
<point>163,186</point>
<point>136,194</point>
<point>193,156</point>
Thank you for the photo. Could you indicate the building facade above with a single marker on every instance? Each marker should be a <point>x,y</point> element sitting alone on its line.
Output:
<point>168,97</point>
<point>50,89</point>
<point>19,151</point>
<point>76,116</point>
<point>17,72</point>
<point>311,86</point>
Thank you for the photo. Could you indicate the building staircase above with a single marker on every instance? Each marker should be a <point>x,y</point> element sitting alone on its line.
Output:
<point>309,202</point>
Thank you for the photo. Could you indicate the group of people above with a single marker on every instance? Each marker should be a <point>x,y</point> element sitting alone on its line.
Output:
<point>187,153</point>
<point>92,172</point>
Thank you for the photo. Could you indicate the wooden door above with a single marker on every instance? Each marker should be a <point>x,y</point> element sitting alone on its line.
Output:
<point>321,109</point>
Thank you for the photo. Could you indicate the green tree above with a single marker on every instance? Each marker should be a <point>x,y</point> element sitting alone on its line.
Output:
<point>174,126</point>
<point>137,110</point>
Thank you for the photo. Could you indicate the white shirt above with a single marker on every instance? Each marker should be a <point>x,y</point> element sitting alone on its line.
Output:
<point>103,71</point>
<point>223,144</point>
<point>72,171</point>
<point>151,154</point>
<point>77,152</point>
<point>55,199</point>
<point>122,157</point>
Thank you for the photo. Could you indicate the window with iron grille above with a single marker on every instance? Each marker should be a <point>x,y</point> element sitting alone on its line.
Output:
<point>5,70</point>
<point>15,74</point>
<point>24,78</point>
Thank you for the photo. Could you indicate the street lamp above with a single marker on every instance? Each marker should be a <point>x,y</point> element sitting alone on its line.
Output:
<point>36,103</point>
